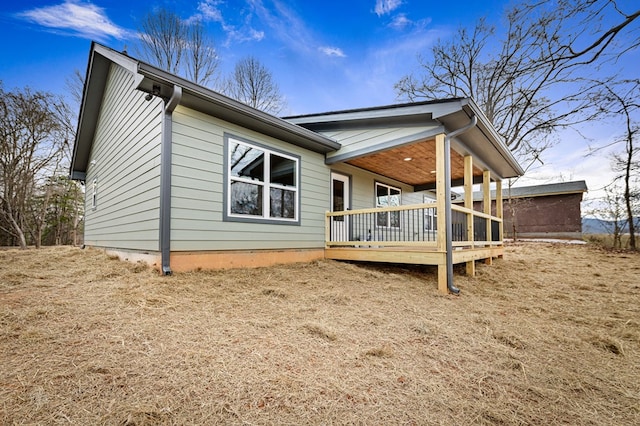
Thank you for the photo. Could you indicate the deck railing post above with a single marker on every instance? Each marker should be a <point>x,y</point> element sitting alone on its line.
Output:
<point>468,203</point>
<point>327,229</point>
<point>486,196</point>
<point>499,211</point>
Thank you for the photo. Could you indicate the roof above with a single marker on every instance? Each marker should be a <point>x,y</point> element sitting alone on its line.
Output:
<point>151,79</point>
<point>561,188</point>
<point>482,141</point>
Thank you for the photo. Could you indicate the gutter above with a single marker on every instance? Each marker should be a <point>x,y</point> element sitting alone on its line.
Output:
<point>447,200</point>
<point>165,178</point>
<point>221,103</point>
<point>495,139</point>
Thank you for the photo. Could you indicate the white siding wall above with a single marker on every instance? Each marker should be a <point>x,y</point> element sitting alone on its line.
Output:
<point>125,161</point>
<point>197,191</point>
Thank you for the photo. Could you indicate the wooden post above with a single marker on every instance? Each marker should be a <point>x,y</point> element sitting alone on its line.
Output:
<point>486,201</point>
<point>499,210</point>
<point>327,229</point>
<point>440,196</point>
<point>499,207</point>
<point>468,203</point>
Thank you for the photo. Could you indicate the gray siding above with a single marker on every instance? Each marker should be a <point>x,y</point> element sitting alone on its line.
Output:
<point>363,197</point>
<point>357,140</point>
<point>125,160</point>
<point>363,187</point>
<point>197,191</point>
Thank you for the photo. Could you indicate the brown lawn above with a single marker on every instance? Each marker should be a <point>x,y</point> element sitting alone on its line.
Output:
<point>548,335</point>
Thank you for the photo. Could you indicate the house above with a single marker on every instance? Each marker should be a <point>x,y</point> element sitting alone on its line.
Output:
<point>541,211</point>
<point>183,177</point>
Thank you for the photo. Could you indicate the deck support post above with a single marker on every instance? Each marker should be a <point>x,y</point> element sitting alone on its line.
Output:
<point>486,202</point>
<point>444,149</point>
<point>499,210</point>
<point>441,236</point>
<point>468,203</point>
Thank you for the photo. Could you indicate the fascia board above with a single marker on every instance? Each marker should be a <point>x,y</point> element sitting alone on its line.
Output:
<point>211,102</point>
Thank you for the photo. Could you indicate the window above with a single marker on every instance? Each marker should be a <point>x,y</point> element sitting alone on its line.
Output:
<point>262,184</point>
<point>430,216</point>
<point>387,196</point>
<point>94,194</point>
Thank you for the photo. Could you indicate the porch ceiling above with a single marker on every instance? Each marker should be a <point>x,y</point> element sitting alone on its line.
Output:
<point>419,171</point>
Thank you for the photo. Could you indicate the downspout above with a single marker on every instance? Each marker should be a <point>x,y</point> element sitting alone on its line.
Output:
<point>447,200</point>
<point>165,178</point>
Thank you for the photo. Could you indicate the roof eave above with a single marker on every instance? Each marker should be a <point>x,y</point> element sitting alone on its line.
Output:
<point>208,101</point>
<point>100,59</point>
<point>200,98</point>
<point>495,139</point>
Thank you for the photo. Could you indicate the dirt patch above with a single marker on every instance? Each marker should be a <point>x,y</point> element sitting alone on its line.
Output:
<point>548,335</point>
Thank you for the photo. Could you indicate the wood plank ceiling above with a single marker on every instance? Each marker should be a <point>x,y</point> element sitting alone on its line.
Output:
<point>419,170</point>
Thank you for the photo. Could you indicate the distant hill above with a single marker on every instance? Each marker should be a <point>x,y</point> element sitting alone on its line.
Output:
<point>597,226</point>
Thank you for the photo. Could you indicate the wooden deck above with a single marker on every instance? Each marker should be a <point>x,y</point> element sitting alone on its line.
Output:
<point>412,255</point>
<point>413,239</point>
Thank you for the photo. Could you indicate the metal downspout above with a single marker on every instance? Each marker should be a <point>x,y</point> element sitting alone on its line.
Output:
<point>447,201</point>
<point>165,178</point>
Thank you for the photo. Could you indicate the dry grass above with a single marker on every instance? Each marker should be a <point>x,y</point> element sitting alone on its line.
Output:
<point>606,240</point>
<point>549,335</point>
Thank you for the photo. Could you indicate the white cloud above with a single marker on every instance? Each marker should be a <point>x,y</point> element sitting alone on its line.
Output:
<point>283,24</point>
<point>332,51</point>
<point>255,34</point>
<point>210,11</point>
<point>384,7</point>
<point>286,26</point>
<point>400,22</point>
<point>570,160</point>
<point>85,19</point>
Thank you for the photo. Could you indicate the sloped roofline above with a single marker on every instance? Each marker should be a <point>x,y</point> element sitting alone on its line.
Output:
<point>153,80</point>
<point>532,191</point>
<point>451,113</point>
<point>301,130</point>
<point>389,110</point>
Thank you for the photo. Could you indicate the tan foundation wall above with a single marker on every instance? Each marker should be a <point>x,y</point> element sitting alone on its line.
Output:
<point>189,261</point>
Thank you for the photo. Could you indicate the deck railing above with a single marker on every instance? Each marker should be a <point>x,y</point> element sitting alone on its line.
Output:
<point>410,226</point>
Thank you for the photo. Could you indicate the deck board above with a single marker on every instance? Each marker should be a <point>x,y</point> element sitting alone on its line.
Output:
<point>411,255</point>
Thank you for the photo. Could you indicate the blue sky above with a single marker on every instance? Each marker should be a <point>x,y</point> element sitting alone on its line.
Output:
<point>325,55</point>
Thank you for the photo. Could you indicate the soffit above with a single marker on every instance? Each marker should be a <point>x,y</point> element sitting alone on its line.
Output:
<point>419,171</point>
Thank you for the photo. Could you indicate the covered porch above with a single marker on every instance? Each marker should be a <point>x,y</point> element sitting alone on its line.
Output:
<point>414,239</point>
<point>427,148</point>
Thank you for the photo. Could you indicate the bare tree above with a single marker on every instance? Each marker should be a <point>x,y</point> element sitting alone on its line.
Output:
<point>253,84</point>
<point>178,46</point>
<point>201,59</point>
<point>621,98</point>
<point>75,86</point>
<point>32,137</point>
<point>64,211</point>
<point>611,210</point>
<point>527,87</point>
<point>163,39</point>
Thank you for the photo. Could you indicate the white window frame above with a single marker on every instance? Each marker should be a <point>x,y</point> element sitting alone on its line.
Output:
<point>378,205</point>
<point>430,216</point>
<point>266,185</point>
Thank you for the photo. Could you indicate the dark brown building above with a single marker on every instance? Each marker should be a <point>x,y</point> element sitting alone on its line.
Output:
<point>541,211</point>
